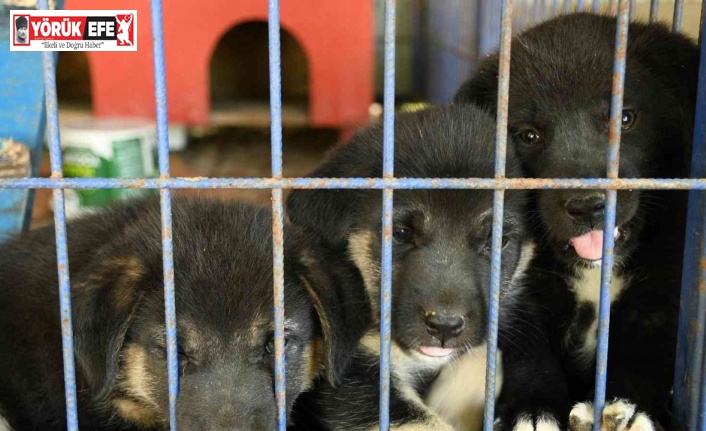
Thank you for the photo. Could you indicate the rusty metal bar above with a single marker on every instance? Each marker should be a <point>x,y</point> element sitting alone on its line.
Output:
<point>357,183</point>
<point>62,255</point>
<point>498,209</point>
<point>616,115</point>
<point>165,194</point>
<point>689,372</point>
<point>273,25</point>
<point>387,207</point>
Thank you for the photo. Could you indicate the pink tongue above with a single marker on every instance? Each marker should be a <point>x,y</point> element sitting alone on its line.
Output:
<point>435,351</point>
<point>589,246</point>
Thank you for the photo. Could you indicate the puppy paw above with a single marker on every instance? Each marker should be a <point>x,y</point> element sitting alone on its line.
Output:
<point>528,422</point>
<point>618,415</point>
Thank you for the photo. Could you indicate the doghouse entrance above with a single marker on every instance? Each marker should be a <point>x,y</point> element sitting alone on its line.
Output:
<point>73,85</point>
<point>239,77</point>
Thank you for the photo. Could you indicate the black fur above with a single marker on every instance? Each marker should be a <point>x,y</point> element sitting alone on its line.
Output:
<point>441,258</point>
<point>560,85</point>
<point>224,305</point>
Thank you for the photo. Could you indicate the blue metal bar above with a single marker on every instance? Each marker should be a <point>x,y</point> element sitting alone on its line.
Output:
<point>580,5</point>
<point>702,403</point>
<point>678,11</point>
<point>654,10</point>
<point>62,255</point>
<point>160,87</point>
<point>488,34</point>
<point>689,394</point>
<point>567,6</point>
<point>357,183</point>
<point>273,25</point>
<point>555,8</point>
<point>498,209</point>
<point>278,276</point>
<point>535,11</point>
<point>388,160</point>
<point>616,110</point>
<point>633,10</point>
<point>596,4</point>
<point>543,9</point>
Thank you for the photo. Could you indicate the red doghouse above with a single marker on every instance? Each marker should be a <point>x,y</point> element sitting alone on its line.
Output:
<point>336,37</point>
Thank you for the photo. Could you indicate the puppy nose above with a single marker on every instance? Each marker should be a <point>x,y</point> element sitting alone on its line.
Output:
<point>444,326</point>
<point>586,209</point>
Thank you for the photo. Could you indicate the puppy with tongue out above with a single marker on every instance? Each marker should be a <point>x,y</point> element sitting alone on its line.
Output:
<point>560,121</point>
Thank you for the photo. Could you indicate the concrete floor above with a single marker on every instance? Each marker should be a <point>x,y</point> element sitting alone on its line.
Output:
<point>228,152</point>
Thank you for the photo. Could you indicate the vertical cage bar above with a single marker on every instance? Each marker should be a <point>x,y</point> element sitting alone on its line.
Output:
<point>678,10</point>
<point>633,10</point>
<point>388,159</point>
<point>273,25</point>
<point>498,209</point>
<point>580,5</point>
<point>62,258</point>
<point>616,109</point>
<point>702,402</point>
<point>654,10</point>
<point>567,6</point>
<point>689,393</point>
<point>535,11</point>
<point>555,8</point>
<point>543,9</point>
<point>489,31</point>
<point>160,87</point>
<point>595,6</point>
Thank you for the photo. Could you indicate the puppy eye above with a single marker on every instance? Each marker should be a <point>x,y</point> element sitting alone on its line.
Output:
<point>530,137</point>
<point>270,346</point>
<point>403,234</point>
<point>489,243</point>
<point>628,119</point>
<point>184,362</point>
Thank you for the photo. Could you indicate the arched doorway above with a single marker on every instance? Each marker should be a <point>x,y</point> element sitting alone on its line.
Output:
<point>73,81</point>
<point>239,78</point>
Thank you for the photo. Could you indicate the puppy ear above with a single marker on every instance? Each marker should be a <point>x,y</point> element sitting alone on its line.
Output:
<point>672,58</point>
<point>329,214</point>
<point>104,304</point>
<point>341,306</point>
<point>482,89</point>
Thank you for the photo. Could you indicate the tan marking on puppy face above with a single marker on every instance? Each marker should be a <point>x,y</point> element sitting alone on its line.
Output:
<point>361,252</point>
<point>258,323</point>
<point>131,271</point>
<point>320,309</point>
<point>136,381</point>
<point>137,413</point>
<point>312,362</point>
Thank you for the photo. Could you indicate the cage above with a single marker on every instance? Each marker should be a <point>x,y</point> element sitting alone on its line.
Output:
<point>444,41</point>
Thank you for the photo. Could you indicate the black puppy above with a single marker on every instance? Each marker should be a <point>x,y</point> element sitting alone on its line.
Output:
<point>441,271</point>
<point>224,301</point>
<point>560,88</point>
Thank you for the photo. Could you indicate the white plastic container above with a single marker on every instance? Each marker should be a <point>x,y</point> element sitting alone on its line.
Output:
<point>107,148</point>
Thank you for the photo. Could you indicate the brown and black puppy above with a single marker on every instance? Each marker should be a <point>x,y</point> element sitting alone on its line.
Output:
<point>441,273</point>
<point>224,305</point>
<point>559,104</point>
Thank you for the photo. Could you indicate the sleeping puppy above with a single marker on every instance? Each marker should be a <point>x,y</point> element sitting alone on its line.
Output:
<point>224,308</point>
<point>560,88</point>
<point>441,271</point>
